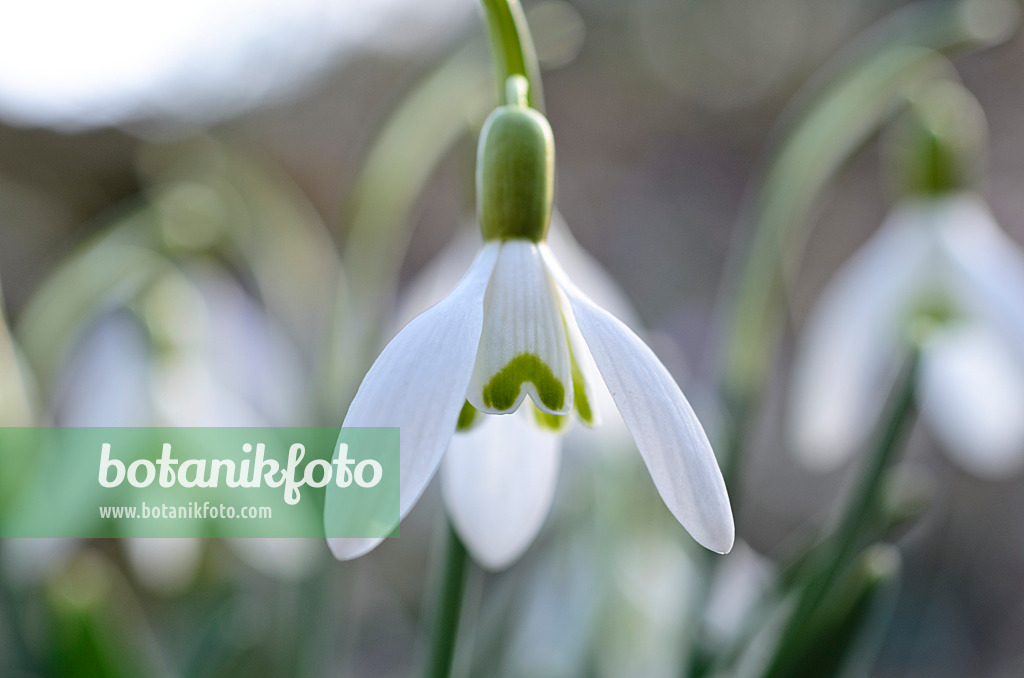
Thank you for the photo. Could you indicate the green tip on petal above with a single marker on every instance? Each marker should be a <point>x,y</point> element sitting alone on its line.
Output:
<point>550,422</point>
<point>579,398</point>
<point>467,417</point>
<point>515,174</point>
<point>502,391</point>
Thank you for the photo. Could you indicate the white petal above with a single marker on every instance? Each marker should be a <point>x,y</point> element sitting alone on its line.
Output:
<point>972,388</point>
<point>847,354</point>
<point>987,266</point>
<point>418,383</point>
<point>594,281</point>
<point>523,347</point>
<point>499,480</point>
<point>587,386</point>
<point>670,439</point>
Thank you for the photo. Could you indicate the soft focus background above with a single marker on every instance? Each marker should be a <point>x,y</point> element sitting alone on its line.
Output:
<point>207,209</point>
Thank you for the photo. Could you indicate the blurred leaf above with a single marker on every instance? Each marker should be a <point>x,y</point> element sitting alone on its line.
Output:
<point>833,631</point>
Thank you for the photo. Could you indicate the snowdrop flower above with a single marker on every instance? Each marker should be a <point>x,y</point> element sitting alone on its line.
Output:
<point>944,260</point>
<point>499,476</point>
<point>185,361</point>
<point>515,326</point>
<point>939,263</point>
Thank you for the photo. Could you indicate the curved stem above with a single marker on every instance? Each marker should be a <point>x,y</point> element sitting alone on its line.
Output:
<point>449,608</point>
<point>513,49</point>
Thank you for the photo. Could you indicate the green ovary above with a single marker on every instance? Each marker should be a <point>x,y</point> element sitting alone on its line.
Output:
<point>502,390</point>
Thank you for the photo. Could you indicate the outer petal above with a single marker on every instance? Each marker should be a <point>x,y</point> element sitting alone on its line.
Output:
<point>972,387</point>
<point>587,386</point>
<point>845,357</point>
<point>499,480</point>
<point>987,266</point>
<point>670,439</point>
<point>523,347</point>
<point>418,383</point>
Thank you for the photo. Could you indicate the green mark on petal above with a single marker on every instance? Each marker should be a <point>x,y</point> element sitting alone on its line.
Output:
<point>466,417</point>
<point>579,397</point>
<point>503,388</point>
<point>551,422</point>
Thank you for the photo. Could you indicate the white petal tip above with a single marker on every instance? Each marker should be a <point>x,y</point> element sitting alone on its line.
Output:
<point>716,531</point>
<point>721,544</point>
<point>350,548</point>
<point>499,482</point>
<point>495,558</point>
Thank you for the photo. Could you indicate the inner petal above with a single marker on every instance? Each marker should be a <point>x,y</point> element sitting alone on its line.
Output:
<point>523,347</point>
<point>585,377</point>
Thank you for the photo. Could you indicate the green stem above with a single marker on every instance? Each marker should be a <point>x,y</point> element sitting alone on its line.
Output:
<point>865,500</point>
<point>513,49</point>
<point>863,509</point>
<point>449,608</point>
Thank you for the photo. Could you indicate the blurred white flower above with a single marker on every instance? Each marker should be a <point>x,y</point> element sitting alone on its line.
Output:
<point>516,325</point>
<point>938,263</point>
<point>187,361</point>
<point>78,65</point>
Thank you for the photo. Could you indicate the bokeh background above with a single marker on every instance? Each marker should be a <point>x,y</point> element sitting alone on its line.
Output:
<point>201,225</point>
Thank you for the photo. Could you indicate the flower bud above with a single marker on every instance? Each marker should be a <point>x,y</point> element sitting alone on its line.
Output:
<point>515,174</point>
<point>939,145</point>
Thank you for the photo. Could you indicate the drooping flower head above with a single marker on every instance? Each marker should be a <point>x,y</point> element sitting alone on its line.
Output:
<point>516,327</point>
<point>939,262</point>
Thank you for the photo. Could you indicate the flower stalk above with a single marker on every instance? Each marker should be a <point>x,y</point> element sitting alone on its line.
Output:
<point>448,611</point>
<point>518,81</point>
<point>512,47</point>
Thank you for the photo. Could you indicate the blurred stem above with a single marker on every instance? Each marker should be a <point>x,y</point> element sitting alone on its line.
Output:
<point>865,501</point>
<point>451,588</point>
<point>853,530</point>
<point>861,597</point>
<point>817,568</point>
<point>512,47</point>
